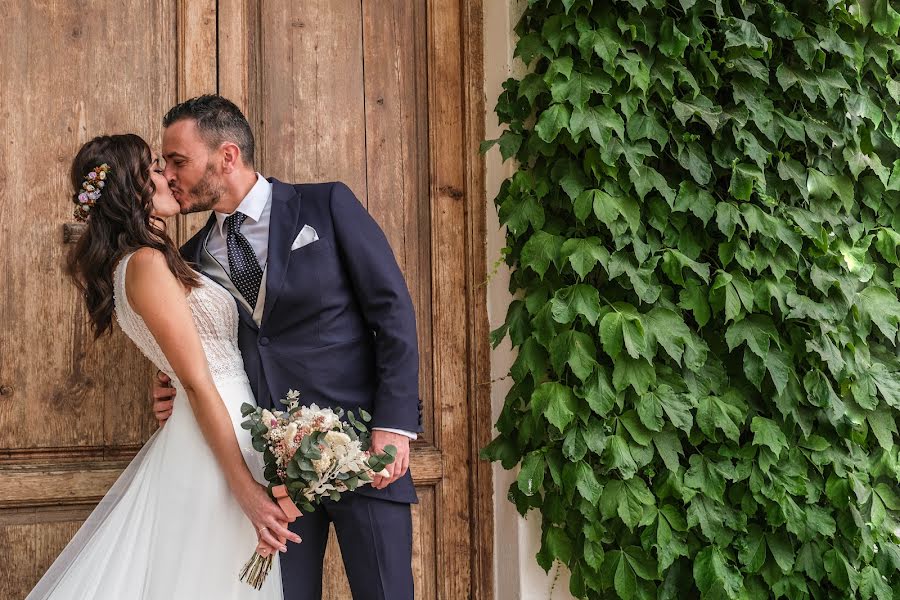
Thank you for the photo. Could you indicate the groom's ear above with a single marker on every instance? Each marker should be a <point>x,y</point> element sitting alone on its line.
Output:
<point>231,157</point>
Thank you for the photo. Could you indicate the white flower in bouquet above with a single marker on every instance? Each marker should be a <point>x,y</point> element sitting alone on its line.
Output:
<point>290,432</point>
<point>337,439</point>
<point>269,419</point>
<point>323,465</point>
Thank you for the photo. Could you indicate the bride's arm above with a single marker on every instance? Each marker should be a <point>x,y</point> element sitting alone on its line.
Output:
<point>159,298</point>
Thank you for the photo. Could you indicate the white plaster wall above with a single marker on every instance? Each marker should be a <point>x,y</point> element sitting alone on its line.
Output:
<point>516,539</point>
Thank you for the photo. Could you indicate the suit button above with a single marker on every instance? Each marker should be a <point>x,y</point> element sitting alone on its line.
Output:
<point>263,341</point>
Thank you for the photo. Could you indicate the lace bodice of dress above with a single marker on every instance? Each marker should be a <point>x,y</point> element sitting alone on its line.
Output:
<point>215,316</point>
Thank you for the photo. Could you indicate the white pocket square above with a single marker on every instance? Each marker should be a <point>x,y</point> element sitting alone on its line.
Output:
<point>306,236</point>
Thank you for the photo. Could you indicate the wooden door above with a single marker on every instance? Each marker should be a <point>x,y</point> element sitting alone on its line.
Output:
<point>370,92</point>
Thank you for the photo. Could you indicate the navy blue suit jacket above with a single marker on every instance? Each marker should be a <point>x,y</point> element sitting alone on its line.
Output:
<point>338,322</point>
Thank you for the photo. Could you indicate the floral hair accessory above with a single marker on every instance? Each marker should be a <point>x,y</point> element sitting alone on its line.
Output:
<point>93,183</point>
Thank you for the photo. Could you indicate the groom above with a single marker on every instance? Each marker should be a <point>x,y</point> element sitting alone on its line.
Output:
<point>323,309</point>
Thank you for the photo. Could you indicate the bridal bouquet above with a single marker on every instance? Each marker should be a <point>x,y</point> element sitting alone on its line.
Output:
<point>309,453</point>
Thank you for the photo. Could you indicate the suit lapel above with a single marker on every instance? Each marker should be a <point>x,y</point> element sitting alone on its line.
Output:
<point>193,249</point>
<point>282,226</point>
<point>200,257</point>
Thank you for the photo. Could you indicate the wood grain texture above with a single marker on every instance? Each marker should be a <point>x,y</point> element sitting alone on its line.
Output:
<point>47,356</point>
<point>396,102</point>
<point>482,528</point>
<point>311,95</point>
<point>55,485</point>
<point>28,550</point>
<point>197,75</point>
<point>448,230</point>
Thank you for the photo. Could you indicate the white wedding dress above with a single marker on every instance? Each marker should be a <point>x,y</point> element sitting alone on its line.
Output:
<point>169,528</point>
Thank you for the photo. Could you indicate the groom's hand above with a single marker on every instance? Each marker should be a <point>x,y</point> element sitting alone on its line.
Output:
<point>163,395</point>
<point>400,466</point>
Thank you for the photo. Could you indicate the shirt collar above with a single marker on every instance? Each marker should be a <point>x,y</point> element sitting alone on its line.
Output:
<point>253,204</point>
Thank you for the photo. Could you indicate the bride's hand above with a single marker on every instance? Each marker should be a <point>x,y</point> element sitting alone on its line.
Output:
<point>267,517</point>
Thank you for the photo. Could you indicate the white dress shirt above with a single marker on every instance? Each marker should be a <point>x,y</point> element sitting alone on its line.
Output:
<point>257,205</point>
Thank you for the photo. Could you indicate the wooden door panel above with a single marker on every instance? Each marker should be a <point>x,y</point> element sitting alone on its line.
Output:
<point>73,410</point>
<point>311,98</point>
<point>53,101</point>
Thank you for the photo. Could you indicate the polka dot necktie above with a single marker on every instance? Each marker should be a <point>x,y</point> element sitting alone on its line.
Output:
<point>245,271</point>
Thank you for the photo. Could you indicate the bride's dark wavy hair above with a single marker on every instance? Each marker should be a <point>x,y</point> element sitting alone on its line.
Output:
<point>120,222</point>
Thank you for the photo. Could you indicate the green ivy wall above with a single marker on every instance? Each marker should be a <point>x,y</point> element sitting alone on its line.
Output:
<point>702,231</point>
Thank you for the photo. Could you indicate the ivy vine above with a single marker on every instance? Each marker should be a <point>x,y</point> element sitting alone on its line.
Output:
<point>703,234</point>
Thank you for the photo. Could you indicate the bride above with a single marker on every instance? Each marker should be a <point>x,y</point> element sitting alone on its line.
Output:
<point>188,511</point>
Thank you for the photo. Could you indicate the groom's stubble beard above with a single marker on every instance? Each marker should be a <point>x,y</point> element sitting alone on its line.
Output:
<point>206,193</point>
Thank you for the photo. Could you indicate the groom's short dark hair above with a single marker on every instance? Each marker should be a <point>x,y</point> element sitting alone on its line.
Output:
<point>218,120</point>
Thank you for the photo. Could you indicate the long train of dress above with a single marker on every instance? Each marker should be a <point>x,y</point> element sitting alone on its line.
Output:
<point>169,528</point>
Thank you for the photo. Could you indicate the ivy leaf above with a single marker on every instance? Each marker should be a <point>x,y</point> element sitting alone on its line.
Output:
<point>517,213</point>
<point>780,547</point>
<point>732,292</point>
<point>696,200</point>
<point>645,126</point>
<point>700,106</point>
<point>587,483</point>
<point>584,254</point>
<point>779,365</point>
<point>556,402</point>
<point>667,328</point>
<point>637,373</point>
<point>727,218</point>
<point>693,298</point>
<point>724,413</point>
<point>530,46</point>
<point>599,121</point>
<point>552,121</point>
<point>579,87</point>
<point>668,445</point>
<point>608,208</point>
<point>714,576</point>
<point>885,20</point>
<point>873,585</point>
<point>576,349</point>
<point>743,179</point>
<point>646,178</point>
<point>757,331</point>
<point>599,393</point>
<point>622,328</point>
<point>881,307</point>
<point>570,302</point>
<point>672,41</point>
<point>669,545</point>
<point>540,250</point>
<point>752,550</point>
<point>674,262</point>
<point>627,499</point>
<point>618,456</point>
<point>532,359</point>
<point>602,43</point>
<point>559,544</point>
<point>744,33</point>
<point>767,433</point>
<point>692,157</point>
<point>531,475</point>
